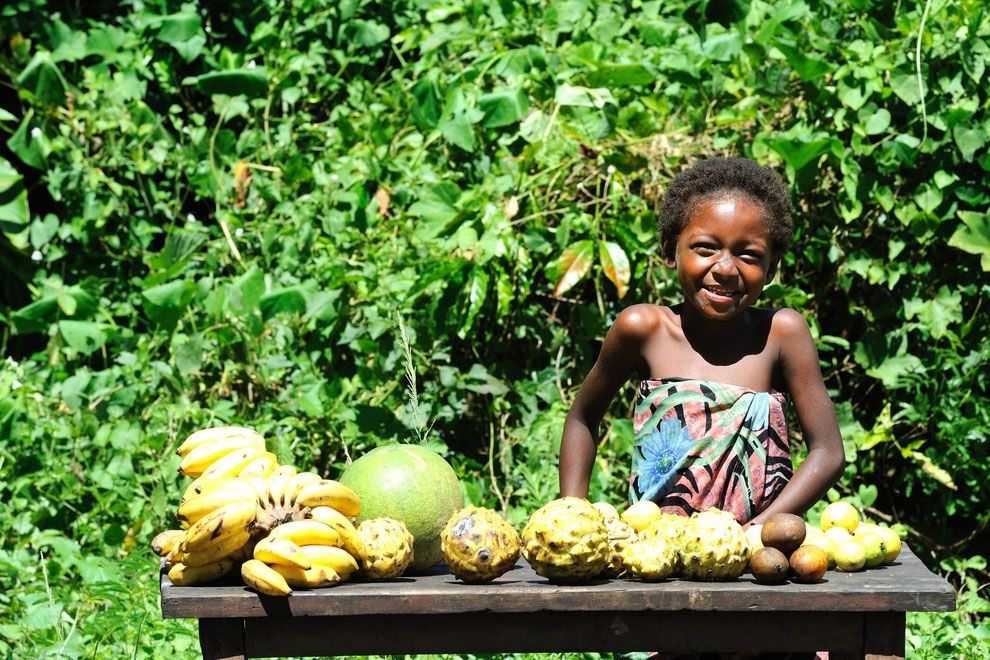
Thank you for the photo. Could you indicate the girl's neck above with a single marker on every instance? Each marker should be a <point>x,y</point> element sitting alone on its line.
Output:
<point>698,328</point>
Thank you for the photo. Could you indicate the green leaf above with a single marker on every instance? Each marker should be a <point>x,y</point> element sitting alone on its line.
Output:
<point>43,79</point>
<point>851,97</point>
<point>436,207</point>
<point>172,294</point>
<point>905,86</point>
<point>615,265</point>
<point>184,32</point>
<point>42,229</point>
<point>249,82</point>
<point>29,143</point>
<point>83,336</point>
<point>807,67</point>
<point>291,300</point>
<point>503,107</point>
<point>621,75</point>
<point>722,47</point>
<point>583,97</point>
<point>878,122</point>
<point>937,314</point>
<point>368,33</point>
<point>798,146</point>
<point>969,140</point>
<point>571,266</point>
<point>473,295</point>
<point>973,236</point>
<point>245,292</point>
<point>892,369</point>
<point>14,213</point>
<point>426,103</point>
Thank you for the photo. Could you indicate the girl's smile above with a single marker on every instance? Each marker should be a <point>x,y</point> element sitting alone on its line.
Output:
<point>723,256</point>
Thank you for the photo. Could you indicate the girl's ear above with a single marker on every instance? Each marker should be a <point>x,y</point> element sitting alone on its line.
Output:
<point>772,270</point>
<point>668,252</point>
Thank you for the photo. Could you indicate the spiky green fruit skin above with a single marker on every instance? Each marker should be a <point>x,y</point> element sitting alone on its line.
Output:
<point>650,559</point>
<point>566,540</point>
<point>714,547</point>
<point>479,545</point>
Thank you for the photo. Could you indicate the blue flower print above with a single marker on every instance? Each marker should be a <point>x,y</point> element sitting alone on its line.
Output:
<point>658,457</point>
<point>758,414</point>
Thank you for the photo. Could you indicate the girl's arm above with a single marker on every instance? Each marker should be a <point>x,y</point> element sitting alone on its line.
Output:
<point>620,356</point>
<point>816,415</point>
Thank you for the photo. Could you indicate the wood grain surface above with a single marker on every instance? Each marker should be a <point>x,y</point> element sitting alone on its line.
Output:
<point>905,585</point>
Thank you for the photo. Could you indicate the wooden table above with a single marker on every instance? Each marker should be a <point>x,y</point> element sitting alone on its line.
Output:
<point>850,614</point>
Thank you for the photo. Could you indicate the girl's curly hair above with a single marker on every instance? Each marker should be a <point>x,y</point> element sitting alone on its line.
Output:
<point>710,178</point>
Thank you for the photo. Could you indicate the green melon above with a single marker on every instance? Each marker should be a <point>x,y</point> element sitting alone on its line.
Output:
<point>411,484</point>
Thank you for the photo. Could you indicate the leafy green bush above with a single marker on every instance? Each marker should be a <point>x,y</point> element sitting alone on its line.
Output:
<point>222,212</point>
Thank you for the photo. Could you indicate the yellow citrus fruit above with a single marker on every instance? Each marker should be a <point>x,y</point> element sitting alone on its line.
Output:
<point>840,514</point>
<point>839,534</point>
<point>812,532</point>
<point>640,515</point>
<point>753,538</point>
<point>825,542</point>
<point>873,547</point>
<point>892,541</point>
<point>849,556</point>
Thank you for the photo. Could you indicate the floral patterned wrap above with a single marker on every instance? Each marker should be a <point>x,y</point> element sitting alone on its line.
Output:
<point>701,444</point>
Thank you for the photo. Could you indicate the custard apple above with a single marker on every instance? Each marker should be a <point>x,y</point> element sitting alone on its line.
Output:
<point>650,559</point>
<point>566,540</point>
<point>388,548</point>
<point>478,544</point>
<point>619,536</point>
<point>714,547</point>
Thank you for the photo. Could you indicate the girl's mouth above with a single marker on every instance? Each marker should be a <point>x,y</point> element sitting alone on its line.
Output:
<point>720,293</point>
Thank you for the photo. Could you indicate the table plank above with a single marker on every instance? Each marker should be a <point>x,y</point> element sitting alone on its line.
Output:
<point>906,585</point>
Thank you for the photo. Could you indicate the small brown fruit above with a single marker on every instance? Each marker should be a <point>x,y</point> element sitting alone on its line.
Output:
<point>808,563</point>
<point>769,566</point>
<point>784,531</point>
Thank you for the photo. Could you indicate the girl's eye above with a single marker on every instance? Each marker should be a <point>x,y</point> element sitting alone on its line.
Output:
<point>704,249</point>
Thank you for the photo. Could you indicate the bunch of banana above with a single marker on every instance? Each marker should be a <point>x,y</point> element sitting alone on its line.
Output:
<point>301,554</point>
<point>214,454</point>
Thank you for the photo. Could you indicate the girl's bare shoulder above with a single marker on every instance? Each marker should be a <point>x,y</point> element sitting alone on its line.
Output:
<point>641,322</point>
<point>789,328</point>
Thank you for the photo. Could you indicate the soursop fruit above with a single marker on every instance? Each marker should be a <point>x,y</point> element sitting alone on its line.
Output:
<point>619,536</point>
<point>714,547</point>
<point>671,528</point>
<point>388,548</point>
<point>479,545</point>
<point>566,540</point>
<point>650,559</point>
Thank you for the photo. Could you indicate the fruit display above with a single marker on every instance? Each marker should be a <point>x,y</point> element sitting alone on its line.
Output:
<point>479,545</point>
<point>566,540</point>
<point>280,528</point>
<point>411,484</point>
<point>649,559</point>
<point>844,541</point>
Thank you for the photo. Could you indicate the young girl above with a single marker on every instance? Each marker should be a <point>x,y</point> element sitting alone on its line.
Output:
<point>709,421</point>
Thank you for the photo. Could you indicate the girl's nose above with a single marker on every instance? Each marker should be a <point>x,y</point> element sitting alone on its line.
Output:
<point>724,265</point>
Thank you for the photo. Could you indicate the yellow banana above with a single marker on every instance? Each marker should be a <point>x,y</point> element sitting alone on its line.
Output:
<point>207,436</point>
<point>184,576</point>
<point>264,579</point>
<point>214,527</point>
<point>281,551</point>
<point>163,542</point>
<point>349,538</point>
<point>246,551</point>
<point>318,576</point>
<point>174,556</point>
<point>230,492</point>
<point>278,481</point>
<point>231,464</point>
<point>296,484</point>
<point>341,561</point>
<point>333,494</point>
<point>307,532</point>
<point>199,459</point>
<point>213,553</point>
<point>261,466</point>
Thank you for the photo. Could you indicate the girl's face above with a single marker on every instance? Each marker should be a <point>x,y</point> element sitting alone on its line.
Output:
<point>723,256</point>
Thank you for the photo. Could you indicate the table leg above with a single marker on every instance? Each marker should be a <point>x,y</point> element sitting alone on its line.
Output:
<point>222,639</point>
<point>883,635</point>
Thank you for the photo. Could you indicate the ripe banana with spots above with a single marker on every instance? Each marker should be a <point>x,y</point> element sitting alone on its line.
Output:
<point>163,542</point>
<point>296,484</point>
<point>231,491</point>
<point>197,461</point>
<point>264,579</point>
<point>226,547</point>
<point>307,532</point>
<point>215,434</point>
<point>349,538</point>
<point>341,561</point>
<point>333,494</point>
<point>182,575</point>
<point>275,550</point>
<point>214,527</point>
<point>315,577</point>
